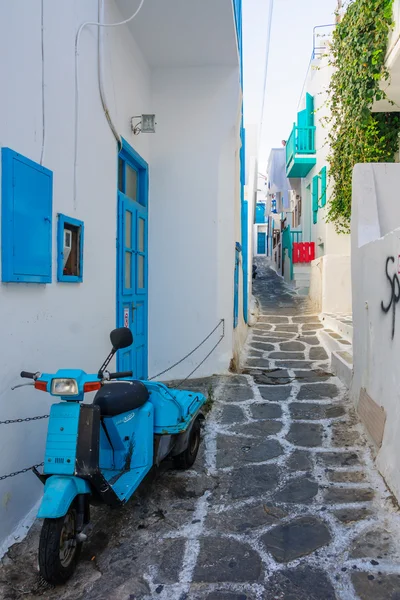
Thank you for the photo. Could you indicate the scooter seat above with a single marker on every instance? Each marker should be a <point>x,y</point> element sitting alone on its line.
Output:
<point>120,396</point>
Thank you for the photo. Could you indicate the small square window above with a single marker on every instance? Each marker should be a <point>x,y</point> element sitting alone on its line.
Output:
<point>70,249</point>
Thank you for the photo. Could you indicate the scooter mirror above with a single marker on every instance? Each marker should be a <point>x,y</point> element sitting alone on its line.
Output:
<point>121,338</point>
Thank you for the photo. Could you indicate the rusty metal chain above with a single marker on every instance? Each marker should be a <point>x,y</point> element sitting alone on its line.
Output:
<point>21,471</point>
<point>9,421</point>
<point>222,321</point>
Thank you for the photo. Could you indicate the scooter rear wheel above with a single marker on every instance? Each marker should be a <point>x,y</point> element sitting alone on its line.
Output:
<point>187,458</point>
<point>58,548</point>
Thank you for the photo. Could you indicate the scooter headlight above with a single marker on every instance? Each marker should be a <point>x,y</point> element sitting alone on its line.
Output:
<point>64,387</point>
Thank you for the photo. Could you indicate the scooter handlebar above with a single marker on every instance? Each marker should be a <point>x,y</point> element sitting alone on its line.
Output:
<point>121,374</point>
<point>28,375</point>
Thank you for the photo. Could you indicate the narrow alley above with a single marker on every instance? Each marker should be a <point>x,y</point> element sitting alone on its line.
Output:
<point>284,502</point>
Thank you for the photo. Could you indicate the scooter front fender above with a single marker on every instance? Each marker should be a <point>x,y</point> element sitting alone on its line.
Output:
<point>59,493</point>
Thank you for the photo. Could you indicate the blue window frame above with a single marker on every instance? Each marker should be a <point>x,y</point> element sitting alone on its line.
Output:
<point>69,249</point>
<point>27,212</point>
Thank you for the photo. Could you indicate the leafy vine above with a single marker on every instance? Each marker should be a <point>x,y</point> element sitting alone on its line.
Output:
<point>356,134</point>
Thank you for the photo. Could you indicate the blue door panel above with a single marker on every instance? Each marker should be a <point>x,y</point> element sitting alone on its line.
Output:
<point>261,245</point>
<point>132,304</point>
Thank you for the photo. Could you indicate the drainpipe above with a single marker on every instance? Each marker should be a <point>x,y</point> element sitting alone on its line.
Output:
<point>244,223</point>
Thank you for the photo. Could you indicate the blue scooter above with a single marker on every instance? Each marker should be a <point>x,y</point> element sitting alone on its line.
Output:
<point>101,452</point>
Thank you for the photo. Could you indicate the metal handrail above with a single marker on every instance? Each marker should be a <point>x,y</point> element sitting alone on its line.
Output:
<point>318,50</point>
<point>301,141</point>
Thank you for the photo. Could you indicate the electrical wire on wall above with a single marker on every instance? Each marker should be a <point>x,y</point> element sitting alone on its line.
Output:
<point>268,44</point>
<point>98,24</point>
<point>43,97</point>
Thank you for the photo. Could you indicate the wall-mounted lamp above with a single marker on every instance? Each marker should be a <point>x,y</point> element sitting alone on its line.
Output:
<point>147,124</point>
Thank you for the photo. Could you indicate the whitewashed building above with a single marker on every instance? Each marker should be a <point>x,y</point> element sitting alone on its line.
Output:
<point>320,265</point>
<point>330,276</point>
<point>375,258</point>
<point>105,223</point>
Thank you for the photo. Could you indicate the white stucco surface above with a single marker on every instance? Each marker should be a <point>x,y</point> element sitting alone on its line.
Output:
<point>194,205</point>
<point>375,188</point>
<point>330,291</point>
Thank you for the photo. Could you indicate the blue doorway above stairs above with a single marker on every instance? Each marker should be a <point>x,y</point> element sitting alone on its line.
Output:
<point>132,259</point>
<point>261,246</point>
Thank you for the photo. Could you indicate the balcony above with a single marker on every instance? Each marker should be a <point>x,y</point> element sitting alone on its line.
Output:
<point>260,217</point>
<point>300,151</point>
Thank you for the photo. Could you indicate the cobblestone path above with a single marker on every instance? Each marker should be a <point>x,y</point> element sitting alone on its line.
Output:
<point>284,502</point>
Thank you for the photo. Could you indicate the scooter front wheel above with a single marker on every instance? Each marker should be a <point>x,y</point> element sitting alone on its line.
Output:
<point>59,549</point>
<point>187,458</point>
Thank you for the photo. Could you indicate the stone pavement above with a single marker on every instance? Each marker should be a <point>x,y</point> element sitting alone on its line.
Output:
<point>284,502</point>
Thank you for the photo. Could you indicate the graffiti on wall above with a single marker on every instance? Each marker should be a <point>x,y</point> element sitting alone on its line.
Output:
<point>394,294</point>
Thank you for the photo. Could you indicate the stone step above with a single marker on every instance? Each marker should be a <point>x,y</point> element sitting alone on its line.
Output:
<point>302,277</point>
<point>342,366</point>
<point>301,288</point>
<point>334,342</point>
<point>341,324</point>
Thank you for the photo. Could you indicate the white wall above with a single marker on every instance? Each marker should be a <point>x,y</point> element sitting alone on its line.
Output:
<point>316,284</point>
<point>375,237</point>
<point>193,206</point>
<point>46,327</point>
<point>192,193</point>
<point>330,291</point>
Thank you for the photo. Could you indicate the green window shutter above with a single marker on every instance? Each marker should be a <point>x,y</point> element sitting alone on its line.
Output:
<point>302,118</point>
<point>323,186</point>
<point>315,198</point>
<point>310,110</point>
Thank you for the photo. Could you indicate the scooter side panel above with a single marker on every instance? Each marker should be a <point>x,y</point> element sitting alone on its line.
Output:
<point>59,493</point>
<point>106,452</point>
<point>62,436</point>
<point>131,435</point>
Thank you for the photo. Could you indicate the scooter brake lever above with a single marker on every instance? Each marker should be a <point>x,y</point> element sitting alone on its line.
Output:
<point>21,385</point>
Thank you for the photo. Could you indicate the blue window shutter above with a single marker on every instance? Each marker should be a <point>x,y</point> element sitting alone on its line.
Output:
<point>315,198</point>
<point>323,186</point>
<point>27,207</point>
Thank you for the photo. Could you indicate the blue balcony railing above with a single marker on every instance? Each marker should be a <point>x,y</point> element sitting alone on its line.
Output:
<point>260,213</point>
<point>301,141</point>
<point>297,236</point>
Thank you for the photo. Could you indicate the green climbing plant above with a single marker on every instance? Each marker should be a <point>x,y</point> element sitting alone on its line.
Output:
<point>356,135</point>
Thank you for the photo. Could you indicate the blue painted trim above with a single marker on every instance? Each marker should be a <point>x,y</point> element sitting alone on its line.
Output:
<point>238,250</point>
<point>133,158</point>
<point>8,242</point>
<point>237,10</point>
<point>245,259</point>
<point>237,7</point>
<point>62,221</point>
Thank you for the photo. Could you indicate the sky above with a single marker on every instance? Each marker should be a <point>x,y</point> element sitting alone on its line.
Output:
<point>289,56</point>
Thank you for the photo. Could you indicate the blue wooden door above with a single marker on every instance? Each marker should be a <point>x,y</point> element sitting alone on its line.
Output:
<point>132,267</point>
<point>261,243</point>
